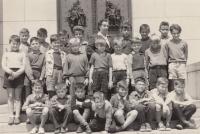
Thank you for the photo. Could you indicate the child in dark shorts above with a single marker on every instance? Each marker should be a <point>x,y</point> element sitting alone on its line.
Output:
<point>13,63</point>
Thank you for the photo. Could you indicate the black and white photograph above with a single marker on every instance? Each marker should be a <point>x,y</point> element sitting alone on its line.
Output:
<point>99,66</point>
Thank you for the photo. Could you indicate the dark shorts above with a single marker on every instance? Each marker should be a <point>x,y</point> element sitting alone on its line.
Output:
<point>97,124</point>
<point>16,83</point>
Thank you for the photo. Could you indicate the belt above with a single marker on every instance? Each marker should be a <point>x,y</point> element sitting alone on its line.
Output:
<point>57,68</point>
<point>119,70</point>
<point>136,69</point>
<point>158,67</point>
<point>100,69</point>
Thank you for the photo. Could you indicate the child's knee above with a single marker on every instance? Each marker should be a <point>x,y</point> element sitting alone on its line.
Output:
<point>45,110</point>
<point>193,107</point>
<point>76,112</point>
<point>158,107</point>
<point>28,111</point>
<point>119,113</point>
<point>133,113</point>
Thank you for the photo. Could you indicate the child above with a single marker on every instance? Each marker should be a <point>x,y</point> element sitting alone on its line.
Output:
<point>142,101</point>
<point>81,106</point>
<point>24,36</point>
<point>76,66</point>
<point>162,109</point>
<point>36,61</point>
<point>36,107</point>
<point>102,113</point>
<point>101,68</point>
<point>164,30</point>
<point>136,62</point>
<point>119,62</point>
<point>64,41</point>
<point>122,112</point>
<point>182,103</point>
<point>79,33</point>
<point>13,63</point>
<point>177,51</point>
<point>42,35</point>
<point>145,40</point>
<point>60,108</point>
<point>54,62</point>
<point>126,38</point>
<point>156,61</point>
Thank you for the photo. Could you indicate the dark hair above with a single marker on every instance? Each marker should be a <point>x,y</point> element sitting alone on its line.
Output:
<point>126,24</point>
<point>123,84</point>
<point>99,94</point>
<point>179,82</point>
<point>162,80</point>
<point>54,38</point>
<point>24,31</point>
<point>101,21</point>
<point>175,26</point>
<point>41,32</point>
<point>14,38</point>
<point>79,86</point>
<point>37,83</point>
<point>164,23</point>
<point>34,39</point>
<point>140,79</point>
<point>144,26</point>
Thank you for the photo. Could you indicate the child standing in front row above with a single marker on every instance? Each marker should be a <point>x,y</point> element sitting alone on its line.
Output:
<point>36,107</point>
<point>54,62</point>
<point>13,63</point>
<point>101,68</point>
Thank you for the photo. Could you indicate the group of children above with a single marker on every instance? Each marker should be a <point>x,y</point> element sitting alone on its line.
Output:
<point>103,85</point>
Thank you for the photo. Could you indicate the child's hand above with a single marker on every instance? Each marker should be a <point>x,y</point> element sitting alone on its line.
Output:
<point>67,82</point>
<point>61,107</point>
<point>110,84</point>
<point>132,82</point>
<point>90,81</point>
<point>86,81</point>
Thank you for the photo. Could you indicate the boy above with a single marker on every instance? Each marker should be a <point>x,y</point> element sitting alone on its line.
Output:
<point>79,33</point>
<point>162,109</point>
<point>76,66</point>
<point>119,62</point>
<point>42,35</point>
<point>164,30</point>
<point>54,62</point>
<point>36,61</point>
<point>13,63</point>
<point>81,106</point>
<point>101,68</point>
<point>136,62</point>
<point>64,41</point>
<point>102,113</point>
<point>156,61</point>
<point>24,36</point>
<point>122,113</point>
<point>142,101</point>
<point>145,40</point>
<point>60,108</point>
<point>36,107</point>
<point>177,51</point>
<point>182,103</point>
<point>126,38</point>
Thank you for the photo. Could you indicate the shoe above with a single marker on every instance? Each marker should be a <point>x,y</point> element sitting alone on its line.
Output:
<point>16,121</point>
<point>63,130</point>
<point>79,130</point>
<point>192,125</point>
<point>41,130</point>
<point>119,129</point>
<point>161,126</point>
<point>148,127</point>
<point>34,130</point>
<point>88,129</point>
<point>143,128</point>
<point>167,128</point>
<point>57,131</point>
<point>179,126</point>
<point>11,121</point>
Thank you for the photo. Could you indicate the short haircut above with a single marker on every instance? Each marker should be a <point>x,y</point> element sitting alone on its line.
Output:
<point>162,80</point>
<point>101,21</point>
<point>60,86</point>
<point>136,40</point>
<point>37,83</point>
<point>176,27</point>
<point>74,41</point>
<point>155,37</point>
<point>63,32</point>
<point>117,41</point>
<point>42,32</point>
<point>34,39</point>
<point>126,24</point>
<point>78,28</point>
<point>99,94</point>
<point>54,38</point>
<point>123,84</point>
<point>100,40</point>
<point>179,82</point>
<point>140,79</point>
<point>144,26</point>
<point>14,38</point>
<point>164,23</point>
<point>24,31</point>
<point>79,86</point>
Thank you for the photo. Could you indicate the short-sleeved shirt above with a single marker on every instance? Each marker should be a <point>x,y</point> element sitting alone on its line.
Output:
<point>145,45</point>
<point>66,100</point>
<point>157,95</point>
<point>136,60</point>
<point>177,51</point>
<point>173,96</point>
<point>101,61</point>
<point>119,61</point>
<point>86,103</point>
